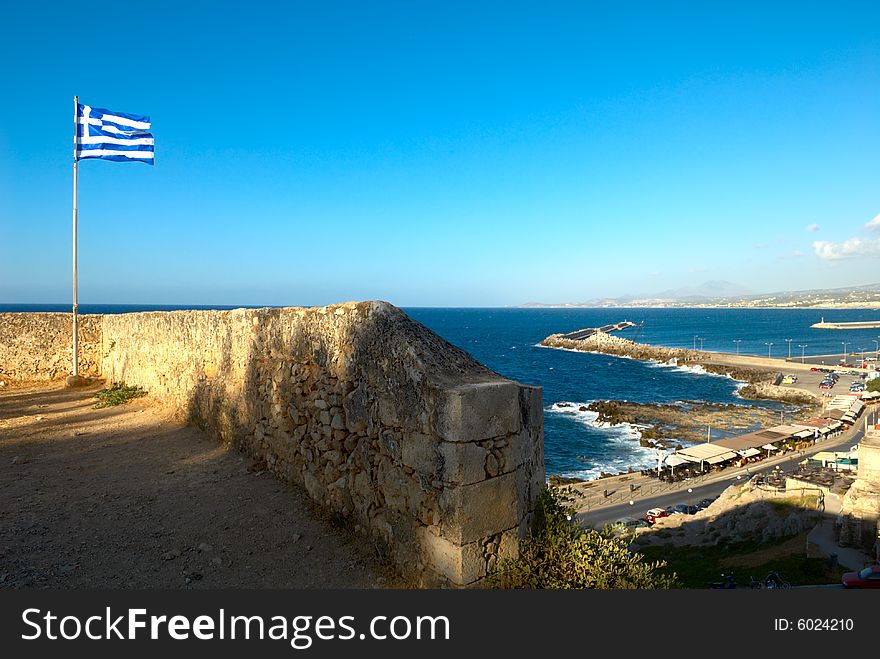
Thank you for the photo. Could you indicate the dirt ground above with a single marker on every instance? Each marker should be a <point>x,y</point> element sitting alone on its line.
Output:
<point>125,497</point>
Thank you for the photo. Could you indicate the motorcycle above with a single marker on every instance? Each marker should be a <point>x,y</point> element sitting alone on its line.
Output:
<point>771,581</point>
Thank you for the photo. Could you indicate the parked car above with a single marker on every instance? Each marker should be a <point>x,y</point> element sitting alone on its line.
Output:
<point>682,509</point>
<point>654,514</point>
<point>705,503</point>
<point>868,577</point>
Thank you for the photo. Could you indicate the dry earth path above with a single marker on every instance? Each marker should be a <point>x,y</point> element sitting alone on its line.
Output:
<point>126,497</point>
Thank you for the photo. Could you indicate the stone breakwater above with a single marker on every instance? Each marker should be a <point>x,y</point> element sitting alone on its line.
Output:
<point>39,346</point>
<point>614,345</point>
<point>381,421</point>
<point>759,374</point>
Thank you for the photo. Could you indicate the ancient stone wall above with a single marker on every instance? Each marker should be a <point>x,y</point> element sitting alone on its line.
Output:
<point>39,346</point>
<point>860,513</point>
<point>379,419</point>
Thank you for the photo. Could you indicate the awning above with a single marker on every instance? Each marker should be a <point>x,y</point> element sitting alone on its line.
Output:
<point>751,440</point>
<point>675,460</point>
<point>834,425</point>
<point>769,447</point>
<point>704,452</point>
<point>749,452</point>
<point>803,434</point>
<point>722,458</point>
<point>849,417</point>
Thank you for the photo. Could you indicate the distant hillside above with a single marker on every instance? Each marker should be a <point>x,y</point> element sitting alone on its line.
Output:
<point>720,294</point>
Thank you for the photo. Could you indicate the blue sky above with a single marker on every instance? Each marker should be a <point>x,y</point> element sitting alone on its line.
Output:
<point>442,153</point>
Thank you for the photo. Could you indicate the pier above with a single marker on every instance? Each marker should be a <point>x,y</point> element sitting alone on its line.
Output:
<point>590,331</point>
<point>859,324</point>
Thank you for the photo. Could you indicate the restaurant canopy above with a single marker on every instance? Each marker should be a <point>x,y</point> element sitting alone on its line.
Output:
<point>785,431</point>
<point>676,460</point>
<point>749,452</point>
<point>711,452</point>
<point>751,440</point>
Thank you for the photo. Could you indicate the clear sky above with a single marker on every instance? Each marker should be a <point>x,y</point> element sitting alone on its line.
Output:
<point>442,153</point>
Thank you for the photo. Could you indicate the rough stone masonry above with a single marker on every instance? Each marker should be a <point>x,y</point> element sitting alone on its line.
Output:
<point>380,420</point>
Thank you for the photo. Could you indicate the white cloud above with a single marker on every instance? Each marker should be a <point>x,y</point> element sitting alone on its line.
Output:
<point>852,248</point>
<point>815,227</point>
<point>874,225</point>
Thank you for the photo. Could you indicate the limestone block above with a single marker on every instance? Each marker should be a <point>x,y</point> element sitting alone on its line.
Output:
<point>475,412</point>
<point>419,452</point>
<point>462,565</point>
<point>357,410</point>
<point>474,512</point>
<point>462,463</point>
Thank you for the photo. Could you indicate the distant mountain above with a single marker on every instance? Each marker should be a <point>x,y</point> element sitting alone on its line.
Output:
<point>708,289</point>
<point>728,294</point>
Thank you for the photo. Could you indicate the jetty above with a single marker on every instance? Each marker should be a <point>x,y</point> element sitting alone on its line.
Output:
<point>587,332</point>
<point>859,324</point>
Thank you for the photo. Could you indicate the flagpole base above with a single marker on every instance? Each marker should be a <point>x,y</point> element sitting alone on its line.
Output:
<point>76,381</point>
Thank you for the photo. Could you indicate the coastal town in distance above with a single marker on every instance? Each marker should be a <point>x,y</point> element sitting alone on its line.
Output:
<point>707,295</point>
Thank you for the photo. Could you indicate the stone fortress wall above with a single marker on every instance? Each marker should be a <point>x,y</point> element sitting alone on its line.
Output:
<point>860,513</point>
<point>379,419</point>
<point>39,346</point>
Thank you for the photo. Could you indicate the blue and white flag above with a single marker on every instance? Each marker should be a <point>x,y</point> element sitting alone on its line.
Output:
<point>112,136</point>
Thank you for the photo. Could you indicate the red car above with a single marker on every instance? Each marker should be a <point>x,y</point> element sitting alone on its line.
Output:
<point>652,515</point>
<point>869,577</point>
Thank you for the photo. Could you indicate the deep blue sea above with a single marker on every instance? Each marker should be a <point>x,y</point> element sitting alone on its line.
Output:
<point>506,341</point>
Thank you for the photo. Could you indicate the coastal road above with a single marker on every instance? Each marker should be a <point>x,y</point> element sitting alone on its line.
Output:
<point>601,514</point>
<point>853,358</point>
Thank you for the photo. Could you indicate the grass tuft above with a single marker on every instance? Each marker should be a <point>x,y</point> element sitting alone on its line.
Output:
<point>117,394</point>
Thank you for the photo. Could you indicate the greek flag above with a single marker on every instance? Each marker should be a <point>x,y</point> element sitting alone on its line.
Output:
<point>112,136</point>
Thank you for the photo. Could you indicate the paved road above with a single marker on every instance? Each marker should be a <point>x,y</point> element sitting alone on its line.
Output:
<point>854,359</point>
<point>605,514</point>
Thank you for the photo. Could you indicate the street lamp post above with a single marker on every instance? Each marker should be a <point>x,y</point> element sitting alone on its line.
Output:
<point>802,347</point>
<point>701,344</point>
<point>876,348</point>
<point>789,347</point>
<point>845,344</point>
<point>769,347</point>
<point>738,341</point>
<point>695,342</point>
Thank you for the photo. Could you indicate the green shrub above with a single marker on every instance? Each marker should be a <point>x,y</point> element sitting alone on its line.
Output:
<point>561,554</point>
<point>117,394</point>
<point>873,384</point>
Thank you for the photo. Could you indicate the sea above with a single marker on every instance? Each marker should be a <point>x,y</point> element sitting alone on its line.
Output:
<point>507,341</point>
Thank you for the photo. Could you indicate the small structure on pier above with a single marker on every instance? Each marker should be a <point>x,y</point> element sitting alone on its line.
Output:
<point>587,332</point>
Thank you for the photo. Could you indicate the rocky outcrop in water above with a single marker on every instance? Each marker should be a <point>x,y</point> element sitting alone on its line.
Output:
<point>668,424</point>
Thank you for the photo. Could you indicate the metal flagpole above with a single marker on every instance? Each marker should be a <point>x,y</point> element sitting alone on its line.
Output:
<point>75,328</point>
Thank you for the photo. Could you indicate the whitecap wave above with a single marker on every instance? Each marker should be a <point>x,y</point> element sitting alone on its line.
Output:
<point>587,352</point>
<point>631,456</point>
<point>694,369</point>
